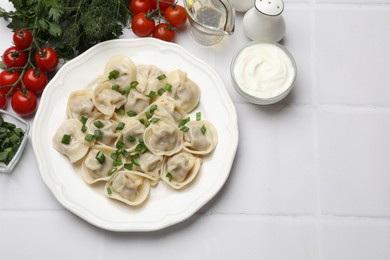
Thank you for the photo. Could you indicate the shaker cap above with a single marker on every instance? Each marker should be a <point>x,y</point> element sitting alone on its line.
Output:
<point>270,7</point>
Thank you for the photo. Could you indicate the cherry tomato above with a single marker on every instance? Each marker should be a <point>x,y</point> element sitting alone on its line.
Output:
<point>141,25</point>
<point>24,105</point>
<point>3,100</point>
<point>8,79</point>
<point>176,15</point>
<point>164,32</point>
<point>35,80</point>
<point>140,6</point>
<point>14,57</point>
<point>22,38</point>
<point>46,59</point>
<point>164,4</point>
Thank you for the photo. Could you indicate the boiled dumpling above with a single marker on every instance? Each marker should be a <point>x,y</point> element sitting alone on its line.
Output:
<point>151,164</point>
<point>163,138</point>
<point>181,169</point>
<point>121,71</point>
<point>105,126</point>
<point>167,107</point>
<point>132,132</point>
<point>184,90</point>
<point>107,100</point>
<point>80,103</point>
<point>130,187</point>
<point>201,137</point>
<point>136,102</point>
<point>149,78</point>
<point>98,164</point>
<point>69,140</point>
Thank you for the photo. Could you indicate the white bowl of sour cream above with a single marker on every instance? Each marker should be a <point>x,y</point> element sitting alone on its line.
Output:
<point>263,72</point>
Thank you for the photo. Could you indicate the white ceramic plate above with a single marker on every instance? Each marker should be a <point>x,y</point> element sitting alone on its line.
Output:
<point>164,206</point>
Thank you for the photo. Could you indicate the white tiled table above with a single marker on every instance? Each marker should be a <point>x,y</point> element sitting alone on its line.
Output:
<point>311,178</point>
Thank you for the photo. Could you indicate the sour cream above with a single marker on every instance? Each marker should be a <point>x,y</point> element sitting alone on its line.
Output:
<point>263,72</point>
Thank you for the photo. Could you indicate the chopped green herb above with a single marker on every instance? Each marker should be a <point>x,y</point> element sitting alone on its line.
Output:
<point>141,148</point>
<point>153,108</point>
<point>83,128</point>
<point>169,176</point>
<point>128,166</point>
<point>134,84</point>
<point>114,170</point>
<point>154,120</point>
<point>114,156</point>
<point>161,77</point>
<point>98,124</point>
<point>148,115</point>
<point>109,192</point>
<point>203,129</point>
<point>152,94</point>
<point>121,110</point>
<point>66,139</point>
<point>83,120</point>
<point>184,121</point>
<point>113,74</point>
<point>184,129</point>
<point>120,126</point>
<point>115,87</point>
<point>161,91</point>
<point>168,87</point>
<point>98,134</point>
<point>126,90</point>
<point>131,113</point>
<point>198,116</point>
<point>119,145</point>
<point>117,163</point>
<point>130,138</point>
<point>88,137</point>
<point>100,157</point>
<point>125,154</point>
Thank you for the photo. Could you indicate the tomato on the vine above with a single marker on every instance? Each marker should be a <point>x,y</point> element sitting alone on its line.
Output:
<point>164,32</point>
<point>142,25</point>
<point>8,79</point>
<point>163,4</point>
<point>14,57</point>
<point>24,105</point>
<point>35,80</point>
<point>22,38</point>
<point>3,100</point>
<point>176,15</point>
<point>140,6</point>
<point>46,59</point>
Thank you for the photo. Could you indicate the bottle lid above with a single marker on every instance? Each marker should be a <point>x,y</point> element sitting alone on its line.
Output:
<point>270,7</point>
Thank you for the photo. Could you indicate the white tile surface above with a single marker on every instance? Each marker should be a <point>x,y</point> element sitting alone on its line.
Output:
<point>311,175</point>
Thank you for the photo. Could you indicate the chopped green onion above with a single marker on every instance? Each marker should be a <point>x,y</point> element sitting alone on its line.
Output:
<point>109,192</point>
<point>153,108</point>
<point>128,166</point>
<point>198,116</point>
<point>126,90</point>
<point>120,126</point>
<point>154,120</point>
<point>152,94</point>
<point>114,170</point>
<point>117,163</point>
<point>148,115</point>
<point>141,148</point>
<point>203,129</point>
<point>121,111</point>
<point>66,139</point>
<point>184,121</point>
<point>114,156</point>
<point>100,157</point>
<point>113,74</point>
<point>135,156</point>
<point>88,137</point>
<point>147,123</point>
<point>134,84</point>
<point>131,113</point>
<point>169,176</point>
<point>161,91</point>
<point>83,120</point>
<point>115,87</point>
<point>98,134</point>
<point>125,154</point>
<point>135,161</point>
<point>161,77</point>
<point>98,124</point>
<point>83,128</point>
<point>119,145</point>
<point>168,87</point>
<point>130,138</point>
<point>184,129</point>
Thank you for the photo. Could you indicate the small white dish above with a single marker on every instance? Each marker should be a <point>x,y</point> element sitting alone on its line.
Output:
<point>20,123</point>
<point>263,72</point>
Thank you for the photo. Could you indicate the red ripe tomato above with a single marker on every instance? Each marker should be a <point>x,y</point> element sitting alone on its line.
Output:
<point>14,57</point>
<point>9,79</point>
<point>163,4</point>
<point>141,25</point>
<point>176,15</point>
<point>35,80</point>
<point>140,6</point>
<point>46,59</point>
<point>164,32</point>
<point>22,38</point>
<point>3,100</point>
<point>24,105</point>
